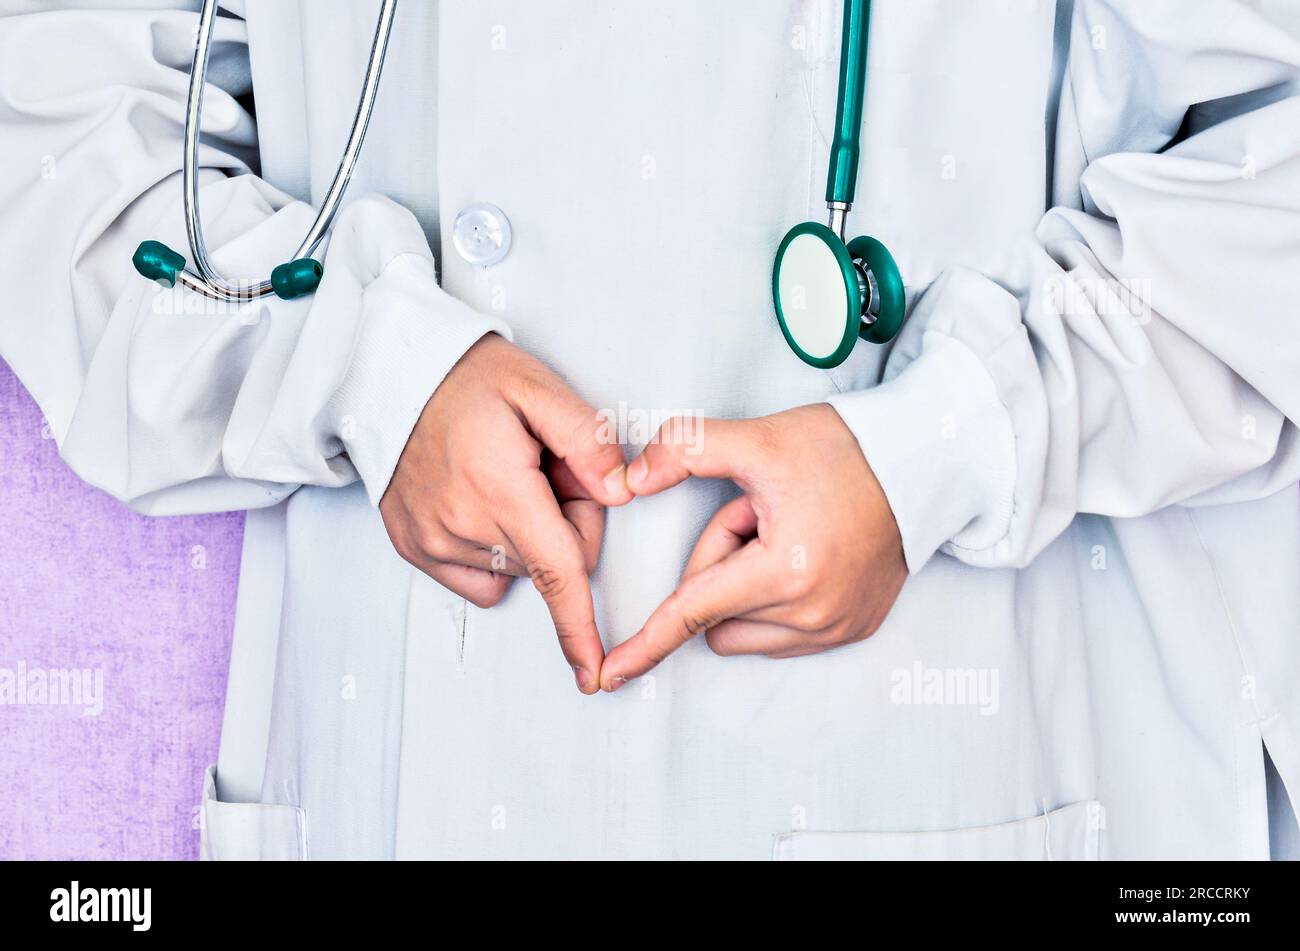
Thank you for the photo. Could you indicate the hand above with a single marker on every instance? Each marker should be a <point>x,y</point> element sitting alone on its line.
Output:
<point>807,559</point>
<point>471,505</point>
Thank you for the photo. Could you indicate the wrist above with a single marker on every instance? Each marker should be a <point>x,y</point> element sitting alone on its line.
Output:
<point>940,443</point>
<point>411,336</point>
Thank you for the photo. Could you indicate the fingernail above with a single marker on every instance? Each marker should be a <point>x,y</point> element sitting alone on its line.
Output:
<point>640,469</point>
<point>583,678</point>
<point>616,683</point>
<point>616,481</point>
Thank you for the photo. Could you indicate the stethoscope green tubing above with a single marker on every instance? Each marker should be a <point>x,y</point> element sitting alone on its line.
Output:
<point>842,176</point>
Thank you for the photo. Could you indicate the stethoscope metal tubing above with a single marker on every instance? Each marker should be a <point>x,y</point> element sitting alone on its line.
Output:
<point>208,281</point>
<point>838,216</point>
<point>227,293</point>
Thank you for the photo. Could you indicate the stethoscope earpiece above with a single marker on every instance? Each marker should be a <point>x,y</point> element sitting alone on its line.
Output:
<point>289,281</point>
<point>301,275</point>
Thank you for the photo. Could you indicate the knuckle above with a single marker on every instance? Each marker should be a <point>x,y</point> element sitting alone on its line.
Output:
<point>531,382</point>
<point>833,636</point>
<point>450,513</point>
<point>766,434</point>
<point>567,633</point>
<point>697,619</point>
<point>432,542</point>
<point>457,519</point>
<point>550,581</point>
<point>815,615</point>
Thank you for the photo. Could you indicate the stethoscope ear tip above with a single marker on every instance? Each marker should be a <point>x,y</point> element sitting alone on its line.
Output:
<point>297,278</point>
<point>157,262</point>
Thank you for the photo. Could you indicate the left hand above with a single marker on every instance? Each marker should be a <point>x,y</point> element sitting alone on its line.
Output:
<point>807,559</point>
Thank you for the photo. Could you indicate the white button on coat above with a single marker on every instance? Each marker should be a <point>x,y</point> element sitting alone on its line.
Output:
<point>482,234</point>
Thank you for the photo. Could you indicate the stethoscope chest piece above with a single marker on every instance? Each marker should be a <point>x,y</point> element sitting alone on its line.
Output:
<point>828,294</point>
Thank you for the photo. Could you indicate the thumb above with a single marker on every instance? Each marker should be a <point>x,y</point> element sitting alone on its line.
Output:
<point>576,434</point>
<point>693,446</point>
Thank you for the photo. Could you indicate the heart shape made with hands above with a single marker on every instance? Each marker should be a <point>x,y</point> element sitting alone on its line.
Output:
<point>508,473</point>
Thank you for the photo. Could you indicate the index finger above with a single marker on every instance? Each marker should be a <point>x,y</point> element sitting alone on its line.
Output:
<point>737,584</point>
<point>549,546</point>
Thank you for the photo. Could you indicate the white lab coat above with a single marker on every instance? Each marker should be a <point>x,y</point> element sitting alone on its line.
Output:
<point>1086,429</point>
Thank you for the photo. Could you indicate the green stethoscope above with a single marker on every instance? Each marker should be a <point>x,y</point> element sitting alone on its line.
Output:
<point>828,293</point>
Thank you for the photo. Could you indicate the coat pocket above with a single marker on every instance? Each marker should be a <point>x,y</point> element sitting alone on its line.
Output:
<point>249,831</point>
<point>1071,833</point>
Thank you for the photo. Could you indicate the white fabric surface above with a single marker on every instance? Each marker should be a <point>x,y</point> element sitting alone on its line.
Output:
<point>1096,491</point>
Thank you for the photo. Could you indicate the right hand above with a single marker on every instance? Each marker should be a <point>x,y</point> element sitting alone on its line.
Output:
<point>505,474</point>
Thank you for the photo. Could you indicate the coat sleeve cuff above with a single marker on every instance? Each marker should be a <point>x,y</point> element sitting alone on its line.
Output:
<point>941,444</point>
<point>410,336</point>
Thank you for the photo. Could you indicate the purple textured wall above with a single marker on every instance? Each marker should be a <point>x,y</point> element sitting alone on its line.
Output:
<point>90,589</point>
